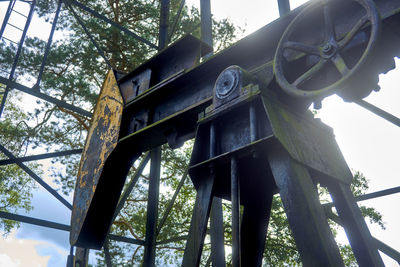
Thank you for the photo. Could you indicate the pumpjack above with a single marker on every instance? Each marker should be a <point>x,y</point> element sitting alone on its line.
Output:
<point>247,108</point>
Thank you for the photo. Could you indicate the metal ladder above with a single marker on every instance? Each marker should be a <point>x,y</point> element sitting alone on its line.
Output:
<point>5,27</point>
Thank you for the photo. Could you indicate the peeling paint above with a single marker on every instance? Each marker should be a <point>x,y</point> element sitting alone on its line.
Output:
<point>101,140</point>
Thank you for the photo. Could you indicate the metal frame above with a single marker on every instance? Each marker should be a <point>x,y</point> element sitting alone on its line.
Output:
<point>152,230</point>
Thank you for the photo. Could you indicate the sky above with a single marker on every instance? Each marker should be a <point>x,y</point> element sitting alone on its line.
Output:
<point>369,144</point>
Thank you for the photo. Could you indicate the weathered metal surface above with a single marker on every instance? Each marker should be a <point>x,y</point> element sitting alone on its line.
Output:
<point>306,218</point>
<point>360,238</point>
<point>307,140</point>
<point>235,198</point>
<point>198,225</point>
<point>149,255</point>
<point>330,49</point>
<point>189,93</point>
<point>172,104</point>
<point>81,257</point>
<point>102,138</point>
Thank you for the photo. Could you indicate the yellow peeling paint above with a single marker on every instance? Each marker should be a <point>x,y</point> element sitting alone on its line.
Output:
<point>102,138</point>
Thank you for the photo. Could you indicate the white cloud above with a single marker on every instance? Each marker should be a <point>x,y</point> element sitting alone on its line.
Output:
<point>21,252</point>
<point>6,261</point>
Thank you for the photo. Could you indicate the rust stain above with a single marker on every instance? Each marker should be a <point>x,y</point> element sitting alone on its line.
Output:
<point>102,138</point>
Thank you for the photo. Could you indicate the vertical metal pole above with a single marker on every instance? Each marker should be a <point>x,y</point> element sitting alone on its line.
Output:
<point>164,16</point>
<point>81,257</point>
<point>49,41</point>
<point>235,198</point>
<point>107,253</point>
<point>284,7</point>
<point>7,16</point>
<point>253,122</point>
<point>70,259</point>
<point>216,216</point>
<point>206,23</point>
<point>21,42</point>
<point>152,208</point>
<point>149,257</point>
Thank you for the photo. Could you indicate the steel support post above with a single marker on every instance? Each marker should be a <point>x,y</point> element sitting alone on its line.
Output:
<point>164,17</point>
<point>70,259</point>
<point>107,255</point>
<point>81,257</point>
<point>216,217</point>
<point>235,198</point>
<point>198,224</point>
<point>284,7</point>
<point>206,23</point>
<point>254,224</point>
<point>305,214</point>
<point>357,231</point>
<point>149,256</point>
<point>152,208</point>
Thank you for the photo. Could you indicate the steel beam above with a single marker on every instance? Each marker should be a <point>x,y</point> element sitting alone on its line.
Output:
<point>34,221</point>
<point>177,17</point>
<point>164,17</point>
<point>40,156</point>
<point>384,248</point>
<point>356,229</point>
<point>235,198</point>
<point>171,203</point>
<point>198,225</point>
<point>376,194</point>
<point>50,99</point>
<point>107,255</point>
<point>126,240</point>
<point>206,22</point>
<point>36,178</point>
<point>305,214</point>
<point>284,7</point>
<point>96,45</point>
<point>104,18</point>
<point>48,44</point>
<point>152,208</point>
<point>131,185</point>
<point>60,226</point>
<point>216,216</point>
<point>81,257</point>
<point>379,112</point>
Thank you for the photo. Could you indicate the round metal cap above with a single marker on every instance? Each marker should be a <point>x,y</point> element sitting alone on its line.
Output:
<point>226,83</point>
